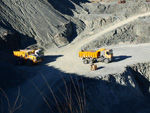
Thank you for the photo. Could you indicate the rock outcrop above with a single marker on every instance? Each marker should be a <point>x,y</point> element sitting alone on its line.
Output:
<point>133,33</point>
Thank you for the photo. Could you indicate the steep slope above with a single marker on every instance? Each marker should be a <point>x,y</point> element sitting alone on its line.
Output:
<point>39,20</point>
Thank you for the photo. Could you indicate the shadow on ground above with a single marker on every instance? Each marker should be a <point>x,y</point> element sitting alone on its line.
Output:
<point>94,95</point>
<point>12,75</point>
<point>101,67</point>
<point>50,58</point>
<point>120,58</point>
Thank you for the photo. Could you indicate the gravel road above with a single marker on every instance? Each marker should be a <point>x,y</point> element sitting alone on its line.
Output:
<point>123,55</point>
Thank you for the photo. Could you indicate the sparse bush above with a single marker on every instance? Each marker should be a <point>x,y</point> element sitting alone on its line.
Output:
<point>11,107</point>
<point>67,98</point>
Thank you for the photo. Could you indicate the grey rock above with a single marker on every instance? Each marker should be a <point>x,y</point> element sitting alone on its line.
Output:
<point>133,33</point>
<point>39,20</point>
<point>120,92</point>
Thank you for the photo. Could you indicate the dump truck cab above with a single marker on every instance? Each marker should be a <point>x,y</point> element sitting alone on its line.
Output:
<point>39,52</point>
<point>34,57</point>
<point>108,55</point>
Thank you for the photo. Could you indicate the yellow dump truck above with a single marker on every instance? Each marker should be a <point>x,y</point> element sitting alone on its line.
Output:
<point>28,56</point>
<point>101,55</point>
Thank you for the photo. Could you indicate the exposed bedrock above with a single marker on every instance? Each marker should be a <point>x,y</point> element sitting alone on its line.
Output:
<point>133,33</point>
<point>125,92</point>
<point>39,20</point>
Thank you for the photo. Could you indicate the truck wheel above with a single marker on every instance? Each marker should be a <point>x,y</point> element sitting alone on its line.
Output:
<point>85,61</point>
<point>29,62</point>
<point>106,60</point>
<point>91,61</point>
<point>110,59</point>
<point>94,60</point>
<point>101,59</point>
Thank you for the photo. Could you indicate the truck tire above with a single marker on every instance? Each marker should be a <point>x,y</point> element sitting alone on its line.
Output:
<point>91,61</point>
<point>85,61</point>
<point>110,59</point>
<point>94,60</point>
<point>106,60</point>
<point>29,62</point>
<point>100,59</point>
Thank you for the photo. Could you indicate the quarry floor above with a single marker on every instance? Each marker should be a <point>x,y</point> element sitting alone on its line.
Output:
<point>123,55</point>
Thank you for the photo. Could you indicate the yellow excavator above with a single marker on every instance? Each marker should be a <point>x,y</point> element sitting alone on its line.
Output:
<point>101,55</point>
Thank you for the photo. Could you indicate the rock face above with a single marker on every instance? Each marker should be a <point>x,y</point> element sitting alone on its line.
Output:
<point>56,23</point>
<point>8,39</point>
<point>142,27</point>
<point>11,40</point>
<point>38,19</point>
<point>119,93</point>
<point>133,33</point>
<point>95,21</point>
<point>125,92</point>
<point>99,15</point>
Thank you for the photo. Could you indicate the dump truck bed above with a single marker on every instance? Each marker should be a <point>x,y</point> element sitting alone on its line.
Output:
<point>87,54</point>
<point>19,53</point>
<point>90,53</point>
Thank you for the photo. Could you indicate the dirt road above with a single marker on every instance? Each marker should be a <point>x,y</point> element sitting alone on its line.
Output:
<point>70,62</point>
<point>123,56</point>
